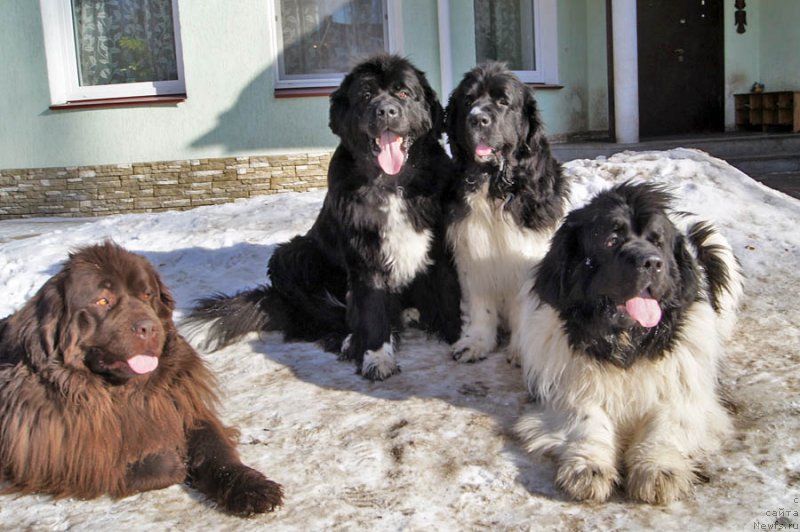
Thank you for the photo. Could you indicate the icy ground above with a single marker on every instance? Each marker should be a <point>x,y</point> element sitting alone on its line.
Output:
<point>431,449</point>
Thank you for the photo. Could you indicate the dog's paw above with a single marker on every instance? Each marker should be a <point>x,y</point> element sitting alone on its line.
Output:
<point>583,480</point>
<point>250,493</point>
<point>411,317</point>
<point>659,483</point>
<point>379,364</point>
<point>513,357</point>
<point>344,351</point>
<point>469,349</point>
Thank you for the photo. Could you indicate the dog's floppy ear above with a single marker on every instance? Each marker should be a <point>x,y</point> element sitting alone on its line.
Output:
<point>431,98</point>
<point>437,116</point>
<point>339,107</point>
<point>73,329</point>
<point>687,267</point>
<point>554,272</point>
<point>452,119</point>
<point>451,115</point>
<point>50,317</point>
<point>166,303</point>
<point>534,137</point>
<point>47,327</point>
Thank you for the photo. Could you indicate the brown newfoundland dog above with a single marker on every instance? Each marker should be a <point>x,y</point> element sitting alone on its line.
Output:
<point>99,394</point>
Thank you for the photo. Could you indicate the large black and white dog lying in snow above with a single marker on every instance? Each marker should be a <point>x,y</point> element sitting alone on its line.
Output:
<point>377,245</point>
<point>509,197</point>
<point>622,340</point>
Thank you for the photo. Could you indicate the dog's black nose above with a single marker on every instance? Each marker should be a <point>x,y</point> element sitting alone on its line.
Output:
<point>479,119</point>
<point>651,263</point>
<point>387,110</point>
<point>144,328</point>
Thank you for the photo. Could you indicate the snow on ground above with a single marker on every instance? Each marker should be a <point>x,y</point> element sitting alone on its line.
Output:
<point>431,448</point>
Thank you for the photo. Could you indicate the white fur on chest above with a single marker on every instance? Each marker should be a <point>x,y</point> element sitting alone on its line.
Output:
<point>491,249</point>
<point>403,248</point>
<point>685,377</point>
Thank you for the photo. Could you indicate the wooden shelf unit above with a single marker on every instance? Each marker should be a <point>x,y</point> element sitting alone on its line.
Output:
<point>768,110</point>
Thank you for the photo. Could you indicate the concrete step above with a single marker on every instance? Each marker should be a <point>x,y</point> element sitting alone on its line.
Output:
<point>772,158</point>
<point>732,145</point>
<point>786,182</point>
<point>746,146</point>
<point>766,163</point>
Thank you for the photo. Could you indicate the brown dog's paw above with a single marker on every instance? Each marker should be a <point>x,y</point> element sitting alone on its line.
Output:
<point>250,493</point>
<point>155,471</point>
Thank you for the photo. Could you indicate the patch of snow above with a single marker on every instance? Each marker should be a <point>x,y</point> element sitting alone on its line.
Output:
<point>431,447</point>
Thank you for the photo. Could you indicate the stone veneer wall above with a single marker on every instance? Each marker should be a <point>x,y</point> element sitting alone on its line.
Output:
<point>155,186</point>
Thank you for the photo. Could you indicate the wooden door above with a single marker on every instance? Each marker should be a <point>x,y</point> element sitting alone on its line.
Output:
<point>681,68</point>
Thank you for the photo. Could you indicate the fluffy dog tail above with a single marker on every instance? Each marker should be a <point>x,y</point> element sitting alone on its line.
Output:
<point>722,271</point>
<point>306,300</point>
<point>229,318</point>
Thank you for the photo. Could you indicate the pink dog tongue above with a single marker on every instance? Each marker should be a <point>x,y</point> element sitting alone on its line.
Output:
<point>645,310</point>
<point>142,364</point>
<point>482,150</point>
<point>391,157</point>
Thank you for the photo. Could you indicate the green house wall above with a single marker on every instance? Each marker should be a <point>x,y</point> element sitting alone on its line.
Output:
<point>231,109</point>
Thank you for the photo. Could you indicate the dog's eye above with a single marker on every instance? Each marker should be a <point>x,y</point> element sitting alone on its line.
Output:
<point>103,302</point>
<point>146,296</point>
<point>656,238</point>
<point>366,95</point>
<point>403,94</point>
<point>504,102</point>
<point>612,240</point>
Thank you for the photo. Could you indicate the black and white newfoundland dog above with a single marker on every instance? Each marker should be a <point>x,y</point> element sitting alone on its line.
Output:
<point>622,340</point>
<point>377,245</point>
<point>509,196</point>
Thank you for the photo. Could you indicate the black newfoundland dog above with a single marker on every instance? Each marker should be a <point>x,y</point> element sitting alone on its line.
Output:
<point>622,340</point>
<point>377,245</point>
<point>509,196</point>
<point>100,395</point>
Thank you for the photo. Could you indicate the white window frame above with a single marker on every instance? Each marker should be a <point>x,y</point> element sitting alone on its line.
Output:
<point>545,46</point>
<point>394,18</point>
<point>62,65</point>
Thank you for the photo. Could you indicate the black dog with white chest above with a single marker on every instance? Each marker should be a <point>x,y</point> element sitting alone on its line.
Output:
<point>624,326</point>
<point>509,197</point>
<point>377,244</point>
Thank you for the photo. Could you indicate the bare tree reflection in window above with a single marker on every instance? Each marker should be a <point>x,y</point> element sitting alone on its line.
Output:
<point>504,31</point>
<point>328,36</point>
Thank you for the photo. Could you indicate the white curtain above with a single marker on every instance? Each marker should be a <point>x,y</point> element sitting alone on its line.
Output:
<point>124,41</point>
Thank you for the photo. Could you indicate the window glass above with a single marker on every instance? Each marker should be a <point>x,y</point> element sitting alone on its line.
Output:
<point>124,41</point>
<point>108,49</point>
<point>504,31</point>
<point>321,38</point>
<point>522,33</point>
